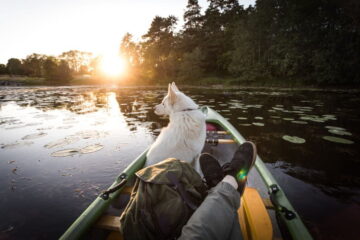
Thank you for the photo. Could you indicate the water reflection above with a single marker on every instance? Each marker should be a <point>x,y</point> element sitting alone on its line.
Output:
<point>64,144</point>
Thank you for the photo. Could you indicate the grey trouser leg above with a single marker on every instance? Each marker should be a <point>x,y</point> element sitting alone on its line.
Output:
<point>216,218</point>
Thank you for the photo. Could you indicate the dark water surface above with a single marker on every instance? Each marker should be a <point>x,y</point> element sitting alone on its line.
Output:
<point>60,146</point>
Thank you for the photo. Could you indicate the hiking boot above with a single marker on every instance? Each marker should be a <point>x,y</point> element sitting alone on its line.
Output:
<point>211,169</point>
<point>243,160</point>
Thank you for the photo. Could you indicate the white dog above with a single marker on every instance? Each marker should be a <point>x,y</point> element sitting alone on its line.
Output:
<point>184,137</point>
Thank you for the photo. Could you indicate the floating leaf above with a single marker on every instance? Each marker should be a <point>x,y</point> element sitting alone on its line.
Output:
<point>91,148</point>
<point>337,140</point>
<point>299,122</point>
<point>245,124</point>
<point>339,132</point>
<point>65,127</point>
<point>62,142</point>
<point>65,152</point>
<point>336,128</point>
<point>91,134</point>
<point>259,118</point>
<point>313,118</point>
<point>258,124</point>
<point>288,119</point>
<point>16,144</point>
<point>33,136</point>
<point>329,116</point>
<point>242,118</point>
<point>293,139</point>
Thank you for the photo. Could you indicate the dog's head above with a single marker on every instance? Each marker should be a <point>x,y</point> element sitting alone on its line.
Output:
<point>174,101</point>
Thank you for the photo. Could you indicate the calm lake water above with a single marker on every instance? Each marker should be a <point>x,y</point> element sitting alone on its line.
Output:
<point>60,146</point>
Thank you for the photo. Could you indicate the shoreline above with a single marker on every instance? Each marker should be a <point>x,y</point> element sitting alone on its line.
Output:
<point>38,82</point>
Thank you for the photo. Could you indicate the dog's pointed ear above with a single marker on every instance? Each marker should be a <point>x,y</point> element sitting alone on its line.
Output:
<point>172,94</point>
<point>175,87</point>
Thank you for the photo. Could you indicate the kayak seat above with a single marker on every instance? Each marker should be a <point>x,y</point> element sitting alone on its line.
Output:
<point>254,219</point>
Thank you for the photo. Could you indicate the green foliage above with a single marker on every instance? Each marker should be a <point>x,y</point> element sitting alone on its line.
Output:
<point>57,71</point>
<point>77,60</point>
<point>158,56</point>
<point>14,66</point>
<point>3,69</point>
<point>191,66</point>
<point>312,42</point>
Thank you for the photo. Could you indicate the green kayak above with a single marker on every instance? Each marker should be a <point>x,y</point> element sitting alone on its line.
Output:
<point>265,211</point>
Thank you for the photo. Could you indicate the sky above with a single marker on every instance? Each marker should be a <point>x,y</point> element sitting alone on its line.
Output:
<point>55,26</point>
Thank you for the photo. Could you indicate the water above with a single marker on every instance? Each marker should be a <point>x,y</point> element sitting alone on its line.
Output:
<point>61,146</point>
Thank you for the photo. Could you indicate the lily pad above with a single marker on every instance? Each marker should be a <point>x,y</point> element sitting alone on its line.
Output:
<point>336,128</point>
<point>258,124</point>
<point>293,139</point>
<point>299,122</point>
<point>33,136</point>
<point>288,119</point>
<point>16,144</point>
<point>65,152</point>
<point>337,140</point>
<point>91,134</point>
<point>62,142</point>
<point>242,118</point>
<point>91,148</point>
<point>340,132</point>
<point>259,118</point>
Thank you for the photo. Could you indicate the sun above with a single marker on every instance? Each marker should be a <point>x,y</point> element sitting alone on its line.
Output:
<point>113,65</point>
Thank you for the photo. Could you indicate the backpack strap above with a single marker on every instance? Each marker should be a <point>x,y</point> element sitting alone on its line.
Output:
<point>180,189</point>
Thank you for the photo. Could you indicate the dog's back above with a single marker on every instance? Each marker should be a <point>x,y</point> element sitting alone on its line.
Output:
<point>184,137</point>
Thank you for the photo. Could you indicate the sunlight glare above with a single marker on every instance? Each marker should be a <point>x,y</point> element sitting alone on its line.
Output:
<point>113,65</point>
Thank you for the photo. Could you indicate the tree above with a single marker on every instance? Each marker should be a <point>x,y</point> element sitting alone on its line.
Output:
<point>3,69</point>
<point>158,43</point>
<point>76,59</point>
<point>191,66</point>
<point>50,68</point>
<point>33,65</point>
<point>63,72</point>
<point>14,66</point>
<point>191,35</point>
<point>130,50</point>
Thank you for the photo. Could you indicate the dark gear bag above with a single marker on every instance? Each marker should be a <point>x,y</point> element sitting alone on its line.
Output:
<point>163,199</point>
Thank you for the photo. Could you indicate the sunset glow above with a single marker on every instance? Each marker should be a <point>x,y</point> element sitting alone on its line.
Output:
<point>113,65</point>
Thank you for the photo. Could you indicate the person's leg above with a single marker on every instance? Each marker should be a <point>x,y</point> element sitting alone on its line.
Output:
<point>217,217</point>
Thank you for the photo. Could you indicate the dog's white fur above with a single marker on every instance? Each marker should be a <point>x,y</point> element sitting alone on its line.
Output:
<point>184,137</point>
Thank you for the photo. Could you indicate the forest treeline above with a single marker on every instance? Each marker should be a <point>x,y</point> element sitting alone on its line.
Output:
<point>315,42</point>
<point>311,41</point>
<point>56,69</point>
